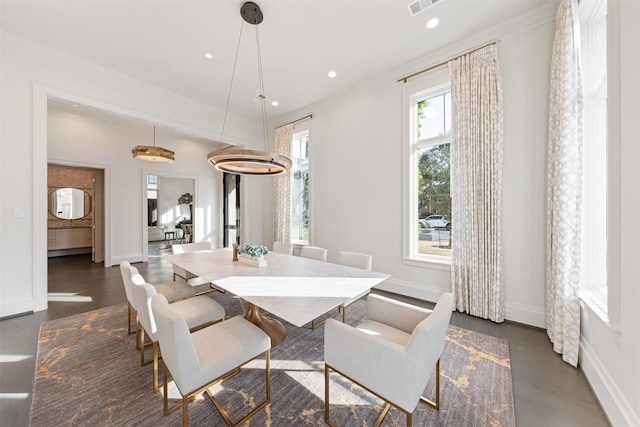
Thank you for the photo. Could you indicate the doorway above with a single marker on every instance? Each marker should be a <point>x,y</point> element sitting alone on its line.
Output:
<point>169,211</point>
<point>231,209</point>
<point>75,219</point>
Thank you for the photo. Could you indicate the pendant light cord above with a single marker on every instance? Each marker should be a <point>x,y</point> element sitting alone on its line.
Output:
<point>265,132</point>
<point>233,73</point>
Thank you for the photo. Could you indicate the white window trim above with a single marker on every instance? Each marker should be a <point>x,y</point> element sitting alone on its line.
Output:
<point>607,308</point>
<point>432,82</point>
<point>614,207</point>
<point>299,128</point>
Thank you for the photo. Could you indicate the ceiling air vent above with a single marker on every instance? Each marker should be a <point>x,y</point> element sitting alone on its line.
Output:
<point>418,6</point>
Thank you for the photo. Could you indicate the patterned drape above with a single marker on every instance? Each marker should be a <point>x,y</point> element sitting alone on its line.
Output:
<point>282,188</point>
<point>564,187</point>
<point>476,184</point>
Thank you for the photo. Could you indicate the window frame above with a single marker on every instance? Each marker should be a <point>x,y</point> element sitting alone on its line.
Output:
<point>297,130</point>
<point>432,84</point>
<point>604,301</point>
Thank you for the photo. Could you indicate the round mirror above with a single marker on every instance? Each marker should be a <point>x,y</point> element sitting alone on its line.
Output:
<point>69,203</point>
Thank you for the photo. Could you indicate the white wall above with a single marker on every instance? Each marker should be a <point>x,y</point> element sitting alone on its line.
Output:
<point>357,171</point>
<point>31,74</point>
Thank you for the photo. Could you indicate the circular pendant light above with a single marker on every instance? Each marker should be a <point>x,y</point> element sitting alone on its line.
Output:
<point>241,161</point>
<point>249,162</point>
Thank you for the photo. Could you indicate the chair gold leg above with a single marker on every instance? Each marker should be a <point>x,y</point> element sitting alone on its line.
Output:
<point>380,419</point>
<point>327,418</point>
<point>137,330</point>
<point>434,404</point>
<point>185,411</point>
<point>165,388</point>
<point>246,417</point>
<point>129,312</point>
<point>156,388</point>
<point>383,414</point>
<point>315,325</point>
<point>142,345</point>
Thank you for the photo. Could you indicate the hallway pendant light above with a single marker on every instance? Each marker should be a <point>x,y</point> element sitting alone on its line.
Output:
<point>249,162</point>
<point>153,153</point>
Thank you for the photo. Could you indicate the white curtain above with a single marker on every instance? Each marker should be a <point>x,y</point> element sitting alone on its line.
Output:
<point>282,188</point>
<point>564,187</point>
<point>476,184</point>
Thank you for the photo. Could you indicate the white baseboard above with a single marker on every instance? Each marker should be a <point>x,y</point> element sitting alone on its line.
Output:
<point>413,290</point>
<point>14,307</point>
<point>130,258</point>
<point>615,405</point>
<point>521,313</point>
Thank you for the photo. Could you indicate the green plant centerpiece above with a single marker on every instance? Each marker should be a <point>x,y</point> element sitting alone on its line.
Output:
<point>252,254</point>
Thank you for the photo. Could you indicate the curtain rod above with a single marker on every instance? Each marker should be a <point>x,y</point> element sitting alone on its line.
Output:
<point>405,78</point>
<point>308,116</point>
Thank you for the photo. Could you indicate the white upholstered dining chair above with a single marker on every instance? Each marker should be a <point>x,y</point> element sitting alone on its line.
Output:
<point>172,291</point>
<point>314,252</point>
<point>355,260</point>
<point>283,248</point>
<point>350,259</point>
<point>199,359</point>
<point>189,277</point>
<point>198,312</point>
<point>404,339</point>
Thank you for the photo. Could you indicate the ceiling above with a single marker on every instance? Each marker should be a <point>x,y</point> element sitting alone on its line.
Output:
<point>163,42</point>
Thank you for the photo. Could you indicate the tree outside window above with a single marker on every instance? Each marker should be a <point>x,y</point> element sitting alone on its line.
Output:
<point>431,172</point>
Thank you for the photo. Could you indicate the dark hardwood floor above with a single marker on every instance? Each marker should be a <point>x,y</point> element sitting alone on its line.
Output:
<point>547,391</point>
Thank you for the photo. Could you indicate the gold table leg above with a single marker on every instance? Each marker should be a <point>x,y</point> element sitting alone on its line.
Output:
<point>270,326</point>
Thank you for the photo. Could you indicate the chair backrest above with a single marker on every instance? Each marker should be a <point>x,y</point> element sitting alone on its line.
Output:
<point>178,351</point>
<point>427,342</point>
<point>126,270</point>
<point>191,247</point>
<point>313,252</point>
<point>357,260</point>
<point>142,294</point>
<point>283,248</point>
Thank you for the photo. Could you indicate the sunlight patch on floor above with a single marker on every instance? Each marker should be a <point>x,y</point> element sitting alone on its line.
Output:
<point>67,297</point>
<point>9,358</point>
<point>14,396</point>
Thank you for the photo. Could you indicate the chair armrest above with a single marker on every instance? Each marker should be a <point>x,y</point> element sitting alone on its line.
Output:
<point>395,313</point>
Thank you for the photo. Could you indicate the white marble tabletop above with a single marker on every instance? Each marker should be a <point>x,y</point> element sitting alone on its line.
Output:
<point>295,289</point>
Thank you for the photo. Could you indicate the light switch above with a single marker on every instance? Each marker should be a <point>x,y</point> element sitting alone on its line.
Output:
<point>18,212</point>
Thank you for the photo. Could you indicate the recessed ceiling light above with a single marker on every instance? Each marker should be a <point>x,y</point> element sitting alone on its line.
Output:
<point>208,55</point>
<point>332,74</point>
<point>432,23</point>
<point>275,103</point>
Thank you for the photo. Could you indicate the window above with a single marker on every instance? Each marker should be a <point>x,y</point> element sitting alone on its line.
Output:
<point>152,200</point>
<point>300,187</point>
<point>593,39</point>
<point>429,197</point>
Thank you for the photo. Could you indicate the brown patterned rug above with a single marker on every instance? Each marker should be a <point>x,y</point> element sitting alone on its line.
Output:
<point>88,373</point>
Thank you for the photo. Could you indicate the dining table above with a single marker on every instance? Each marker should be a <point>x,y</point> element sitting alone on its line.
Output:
<point>292,288</point>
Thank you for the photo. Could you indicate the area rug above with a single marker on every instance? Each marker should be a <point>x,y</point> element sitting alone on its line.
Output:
<point>88,373</point>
